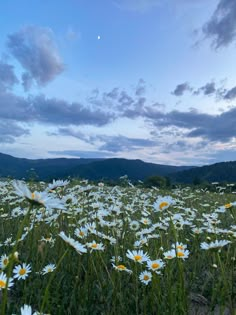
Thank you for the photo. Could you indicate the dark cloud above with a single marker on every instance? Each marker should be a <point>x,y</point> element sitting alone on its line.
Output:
<point>50,111</point>
<point>9,130</point>
<point>220,127</point>
<point>121,143</point>
<point>181,89</point>
<point>113,94</point>
<point>230,94</point>
<point>15,107</point>
<point>35,49</point>
<point>182,146</point>
<point>221,28</point>
<point>57,111</point>
<point>207,89</point>
<point>7,75</point>
<point>70,132</point>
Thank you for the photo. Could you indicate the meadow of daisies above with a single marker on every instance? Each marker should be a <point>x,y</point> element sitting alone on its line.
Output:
<point>77,248</point>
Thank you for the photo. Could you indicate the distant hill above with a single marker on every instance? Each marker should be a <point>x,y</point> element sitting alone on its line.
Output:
<point>95,169</point>
<point>219,172</point>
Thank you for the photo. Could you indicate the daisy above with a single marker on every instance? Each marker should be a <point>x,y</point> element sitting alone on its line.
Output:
<point>4,260</point>
<point>37,198</point>
<point>26,310</point>
<point>155,265</point>
<point>163,203</point>
<point>81,232</point>
<point>80,248</point>
<point>215,244</point>
<point>3,281</point>
<point>145,277</point>
<point>58,183</point>
<point>48,268</point>
<point>134,225</point>
<point>137,255</point>
<point>182,253</point>
<point>95,246</point>
<point>179,246</point>
<point>146,221</point>
<point>170,254</point>
<point>121,268</point>
<point>21,271</point>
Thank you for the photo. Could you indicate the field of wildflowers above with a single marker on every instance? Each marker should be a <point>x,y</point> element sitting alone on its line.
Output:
<point>77,248</point>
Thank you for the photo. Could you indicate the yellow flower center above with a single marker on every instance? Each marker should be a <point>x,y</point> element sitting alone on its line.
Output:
<point>49,270</point>
<point>145,277</point>
<point>5,261</point>
<point>169,257</point>
<point>180,247</point>
<point>121,267</point>
<point>180,254</point>
<point>81,233</point>
<point>145,221</point>
<point>138,257</point>
<point>155,265</point>
<point>228,205</point>
<point>2,284</point>
<point>22,271</point>
<point>163,204</point>
<point>94,245</point>
<point>32,195</point>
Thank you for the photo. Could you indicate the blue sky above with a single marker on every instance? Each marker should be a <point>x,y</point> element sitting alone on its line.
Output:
<point>146,79</point>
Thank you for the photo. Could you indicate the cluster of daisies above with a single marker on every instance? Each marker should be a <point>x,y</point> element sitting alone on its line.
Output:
<point>106,216</point>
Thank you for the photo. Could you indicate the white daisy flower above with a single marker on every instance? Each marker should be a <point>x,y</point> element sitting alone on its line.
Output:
<point>137,255</point>
<point>155,265</point>
<point>215,244</point>
<point>49,268</point>
<point>4,260</point>
<point>3,281</point>
<point>145,277</point>
<point>95,246</point>
<point>21,271</point>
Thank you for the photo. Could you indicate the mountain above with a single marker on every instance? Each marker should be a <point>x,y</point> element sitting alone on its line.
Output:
<point>47,169</point>
<point>218,172</point>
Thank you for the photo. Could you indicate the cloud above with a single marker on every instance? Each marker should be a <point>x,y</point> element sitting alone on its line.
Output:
<point>50,111</point>
<point>221,28</point>
<point>220,127</point>
<point>58,111</point>
<point>122,143</point>
<point>36,51</point>
<point>82,154</point>
<point>207,89</point>
<point>136,5</point>
<point>9,130</point>
<point>181,89</point>
<point>27,81</point>
<point>140,88</point>
<point>230,94</point>
<point>7,76</point>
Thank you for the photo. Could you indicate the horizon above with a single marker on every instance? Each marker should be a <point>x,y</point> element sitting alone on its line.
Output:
<point>100,158</point>
<point>136,79</point>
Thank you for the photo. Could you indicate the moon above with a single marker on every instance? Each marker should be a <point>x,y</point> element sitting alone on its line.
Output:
<point>99,37</point>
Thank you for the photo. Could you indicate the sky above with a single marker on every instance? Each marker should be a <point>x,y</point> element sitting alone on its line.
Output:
<point>138,79</point>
